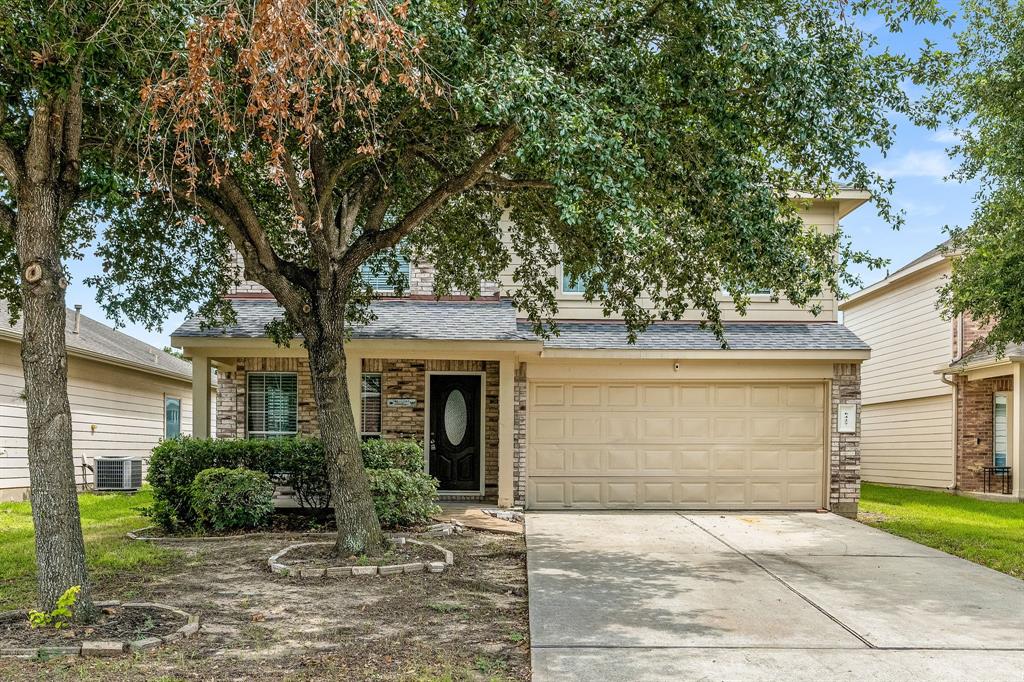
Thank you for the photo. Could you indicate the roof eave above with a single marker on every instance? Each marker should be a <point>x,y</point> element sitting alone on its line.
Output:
<point>708,354</point>
<point>8,335</point>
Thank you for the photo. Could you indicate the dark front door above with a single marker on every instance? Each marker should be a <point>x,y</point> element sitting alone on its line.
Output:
<point>455,430</point>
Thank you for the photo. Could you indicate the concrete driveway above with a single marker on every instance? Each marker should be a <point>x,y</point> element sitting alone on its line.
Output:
<point>683,596</point>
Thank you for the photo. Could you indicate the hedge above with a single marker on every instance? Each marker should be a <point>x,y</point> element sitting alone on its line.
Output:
<point>297,463</point>
<point>232,499</point>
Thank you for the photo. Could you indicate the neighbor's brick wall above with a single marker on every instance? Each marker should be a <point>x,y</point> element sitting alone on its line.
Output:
<point>973,333</point>
<point>844,451</point>
<point>519,437</point>
<point>408,379</point>
<point>974,418</point>
<point>242,286</point>
<point>231,389</point>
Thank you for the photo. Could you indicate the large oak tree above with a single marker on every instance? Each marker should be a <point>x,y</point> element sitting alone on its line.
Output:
<point>651,146</point>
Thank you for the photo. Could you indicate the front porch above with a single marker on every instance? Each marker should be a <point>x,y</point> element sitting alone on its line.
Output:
<point>989,406</point>
<point>459,399</point>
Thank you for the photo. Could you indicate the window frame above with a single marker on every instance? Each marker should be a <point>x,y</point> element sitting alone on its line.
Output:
<point>363,395</point>
<point>404,266</point>
<point>581,282</point>
<point>168,399</point>
<point>1007,402</point>
<point>249,433</point>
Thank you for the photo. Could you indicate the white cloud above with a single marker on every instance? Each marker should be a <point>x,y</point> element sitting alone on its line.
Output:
<point>945,136</point>
<point>917,163</point>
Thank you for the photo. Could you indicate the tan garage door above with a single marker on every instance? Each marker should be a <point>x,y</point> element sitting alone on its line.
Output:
<point>675,445</point>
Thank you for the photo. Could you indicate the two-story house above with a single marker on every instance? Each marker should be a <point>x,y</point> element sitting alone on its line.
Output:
<point>581,420</point>
<point>939,410</point>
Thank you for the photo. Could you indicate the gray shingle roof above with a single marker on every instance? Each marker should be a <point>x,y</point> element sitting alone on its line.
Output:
<point>396,319</point>
<point>496,321</point>
<point>984,354</point>
<point>96,337</point>
<point>689,336</point>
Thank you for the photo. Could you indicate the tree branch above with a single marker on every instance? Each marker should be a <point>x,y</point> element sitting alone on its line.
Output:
<point>369,243</point>
<point>495,181</point>
<point>10,165</point>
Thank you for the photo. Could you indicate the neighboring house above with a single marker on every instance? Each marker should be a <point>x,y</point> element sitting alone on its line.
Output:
<point>125,397</point>
<point>937,411</point>
<point>582,420</point>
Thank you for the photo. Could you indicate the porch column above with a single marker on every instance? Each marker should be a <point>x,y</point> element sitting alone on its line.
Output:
<point>200,396</point>
<point>506,421</point>
<point>1016,454</point>
<point>354,378</point>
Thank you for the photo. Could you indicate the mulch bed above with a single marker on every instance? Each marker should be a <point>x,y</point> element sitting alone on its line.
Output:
<point>324,556</point>
<point>115,623</point>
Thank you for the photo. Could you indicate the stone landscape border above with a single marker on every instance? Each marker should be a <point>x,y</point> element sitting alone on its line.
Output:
<point>280,568</point>
<point>104,647</point>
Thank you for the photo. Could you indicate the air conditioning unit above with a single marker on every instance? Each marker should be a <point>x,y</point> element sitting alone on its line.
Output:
<point>118,473</point>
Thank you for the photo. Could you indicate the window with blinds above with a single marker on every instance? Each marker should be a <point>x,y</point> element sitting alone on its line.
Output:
<point>379,280</point>
<point>272,402</point>
<point>372,415</point>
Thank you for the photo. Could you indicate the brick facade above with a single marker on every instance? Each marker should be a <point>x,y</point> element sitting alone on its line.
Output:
<point>844,449</point>
<point>408,379</point>
<point>232,385</point>
<point>974,433</point>
<point>973,332</point>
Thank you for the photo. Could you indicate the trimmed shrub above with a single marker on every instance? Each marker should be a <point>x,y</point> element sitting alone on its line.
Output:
<point>381,453</point>
<point>403,498</point>
<point>297,463</point>
<point>232,499</point>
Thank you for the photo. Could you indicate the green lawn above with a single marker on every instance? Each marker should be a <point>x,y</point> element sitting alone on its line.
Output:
<point>987,533</point>
<point>112,557</point>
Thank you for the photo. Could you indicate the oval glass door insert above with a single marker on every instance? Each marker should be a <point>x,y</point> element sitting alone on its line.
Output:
<point>455,417</point>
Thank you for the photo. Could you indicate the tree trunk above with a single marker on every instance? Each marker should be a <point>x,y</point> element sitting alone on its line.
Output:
<point>358,528</point>
<point>60,549</point>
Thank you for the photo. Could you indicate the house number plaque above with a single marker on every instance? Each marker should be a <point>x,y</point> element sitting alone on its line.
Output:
<point>847,418</point>
<point>401,402</point>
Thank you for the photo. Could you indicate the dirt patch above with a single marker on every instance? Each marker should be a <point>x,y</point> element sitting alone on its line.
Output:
<point>467,623</point>
<point>115,623</point>
<point>871,517</point>
<point>322,555</point>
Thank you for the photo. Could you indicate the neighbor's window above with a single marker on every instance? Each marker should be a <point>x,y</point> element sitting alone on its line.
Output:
<point>272,404</point>
<point>172,417</point>
<point>379,280</point>
<point>571,287</point>
<point>1000,429</point>
<point>371,407</point>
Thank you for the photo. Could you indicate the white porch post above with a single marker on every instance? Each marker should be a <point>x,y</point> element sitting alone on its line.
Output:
<point>1016,454</point>
<point>354,378</point>
<point>506,421</point>
<point>200,396</point>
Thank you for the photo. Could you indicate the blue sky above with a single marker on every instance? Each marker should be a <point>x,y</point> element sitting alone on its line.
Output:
<point>918,163</point>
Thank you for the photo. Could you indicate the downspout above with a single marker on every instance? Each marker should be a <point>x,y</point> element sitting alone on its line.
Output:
<point>944,377</point>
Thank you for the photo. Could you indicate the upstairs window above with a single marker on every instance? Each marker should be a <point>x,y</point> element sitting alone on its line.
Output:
<point>272,404</point>
<point>571,287</point>
<point>371,413</point>
<point>379,280</point>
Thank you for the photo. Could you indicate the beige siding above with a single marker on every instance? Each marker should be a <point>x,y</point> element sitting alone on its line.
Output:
<point>908,340</point>
<point>114,410</point>
<point>908,442</point>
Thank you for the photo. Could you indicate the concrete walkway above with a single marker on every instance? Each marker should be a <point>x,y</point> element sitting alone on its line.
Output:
<point>672,596</point>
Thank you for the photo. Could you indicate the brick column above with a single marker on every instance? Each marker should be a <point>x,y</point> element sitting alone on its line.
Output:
<point>844,448</point>
<point>519,437</point>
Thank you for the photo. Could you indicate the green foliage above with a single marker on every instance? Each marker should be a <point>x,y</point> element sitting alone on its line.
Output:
<point>403,498</point>
<point>386,453</point>
<point>232,499</point>
<point>297,463</point>
<point>976,89</point>
<point>61,614</point>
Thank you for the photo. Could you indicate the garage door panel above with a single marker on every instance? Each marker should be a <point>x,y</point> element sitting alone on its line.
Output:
<point>644,444</point>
